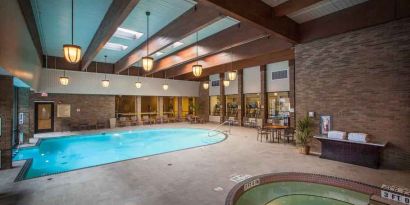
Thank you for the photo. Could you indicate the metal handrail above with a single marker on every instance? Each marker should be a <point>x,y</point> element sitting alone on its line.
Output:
<point>216,128</point>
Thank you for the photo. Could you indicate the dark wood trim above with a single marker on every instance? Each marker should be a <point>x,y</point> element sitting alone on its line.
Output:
<point>222,41</point>
<point>222,97</point>
<point>263,94</point>
<point>116,14</point>
<point>190,22</point>
<point>292,5</point>
<point>36,130</point>
<point>27,11</point>
<point>260,15</point>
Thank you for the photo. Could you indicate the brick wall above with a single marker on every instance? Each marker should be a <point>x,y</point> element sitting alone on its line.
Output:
<point>23,106</point>
<point>362,79</point>
<point>91,108</point>
<point>203,101</point>
<point>6,114</point>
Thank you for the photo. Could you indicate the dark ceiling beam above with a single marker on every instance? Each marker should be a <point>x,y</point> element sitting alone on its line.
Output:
<point>27,11</point>
<point>292,6</point>
<point>260,15</point>
<point>230,37</point>
<point>188,23</point>
<point>369,13</point>
<point>262,59</point>
<point>241,52</point>
<point>116,14</point>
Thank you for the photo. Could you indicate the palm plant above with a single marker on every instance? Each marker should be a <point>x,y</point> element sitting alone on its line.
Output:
<point>304,130</point>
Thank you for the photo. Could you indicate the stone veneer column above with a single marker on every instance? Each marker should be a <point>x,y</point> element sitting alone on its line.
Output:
<point>179,107</point>
<point>263,95</point>
<point>292,91</point>
<point>138,108</point>
<point>203,102</point>
<point>6,114</point>
<point>160,106</point>
<point>24,107</point>
<point>241,100</point>
<point>222,96</point>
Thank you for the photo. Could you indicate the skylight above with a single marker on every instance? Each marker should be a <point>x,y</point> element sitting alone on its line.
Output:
<point>177,44</point>
<point>159,53</point>
<point>115,46</point>
<point>127,34</point>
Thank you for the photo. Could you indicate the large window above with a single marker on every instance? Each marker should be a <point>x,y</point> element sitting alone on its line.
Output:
<point>168,106</point>
<point>149,105</point>
<point>232,105</point>
<point>252,105</point>
<point>125,105</point>
<point>278,107</point>
<point>215,105</point>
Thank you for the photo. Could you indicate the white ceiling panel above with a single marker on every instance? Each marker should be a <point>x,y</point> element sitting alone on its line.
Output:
<point>163,12</point>
<point>53,20</point>
<point>322,8</point>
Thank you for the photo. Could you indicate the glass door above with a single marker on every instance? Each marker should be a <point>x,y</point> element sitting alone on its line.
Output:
<point>44,117</point>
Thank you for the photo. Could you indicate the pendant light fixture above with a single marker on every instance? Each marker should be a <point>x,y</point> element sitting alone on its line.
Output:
<point>138,84</point>
<point>226,82</point>
<point>165,86</point>
<point>231,74</point>
<point>147,61</point>
<point>205,85</point>
<point>105,83</point>
<point>197,68</point>
<point>72,53</point>
<point>64,80</point>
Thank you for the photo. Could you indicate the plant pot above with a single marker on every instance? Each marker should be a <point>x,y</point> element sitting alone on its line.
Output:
<point>304,150</point>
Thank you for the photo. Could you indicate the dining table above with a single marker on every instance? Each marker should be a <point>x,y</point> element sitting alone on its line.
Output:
<point>276,130</point>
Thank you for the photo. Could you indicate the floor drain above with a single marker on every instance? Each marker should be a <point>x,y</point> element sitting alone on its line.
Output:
<point>169,164</point>
<point>218,188</point>
<point>49,179</point>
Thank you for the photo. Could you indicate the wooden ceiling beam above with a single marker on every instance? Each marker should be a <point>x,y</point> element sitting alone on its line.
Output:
<point>116,14</point>
<point>224,40</point>
<point>262,59</point>
<point>188,23</point>
<point>291,6</point>
<point>27,11</point>
<point>260,15</point>
<point>242,52</point>
<point>369,13</point>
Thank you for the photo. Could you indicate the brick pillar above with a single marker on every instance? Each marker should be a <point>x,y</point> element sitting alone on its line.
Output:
<point>203,102</point>
<point>138,107</point>
<point>222,96</point>
<point>292,91</point>
<point>24,108</point>
<point>160,107</point>
<point>179,107</point>
<point>6,115</point>
<point>241,99</point>
<point>263,95</point>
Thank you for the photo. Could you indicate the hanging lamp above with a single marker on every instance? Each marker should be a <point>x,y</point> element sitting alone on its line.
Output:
<point>72,53</point>
<point>197,68</point>
<point>105,83</point>
<point>64,80</point>
<point>205,85</point>
<point>231,74</point>
<point>138,84</point>
<point>226,82</point>
<point>165,86</point>
<point>147,61</point>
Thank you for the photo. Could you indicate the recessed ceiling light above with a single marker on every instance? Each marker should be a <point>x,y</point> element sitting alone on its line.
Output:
<point>127,34</point>
<point>115,46</point>
<point>159,53</point>
<point>176,44</point>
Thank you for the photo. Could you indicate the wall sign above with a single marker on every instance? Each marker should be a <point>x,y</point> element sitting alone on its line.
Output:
<point>63,110</point>
<point>395,193</point>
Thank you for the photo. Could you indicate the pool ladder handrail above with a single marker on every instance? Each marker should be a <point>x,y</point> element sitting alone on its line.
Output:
<point>216,128</point>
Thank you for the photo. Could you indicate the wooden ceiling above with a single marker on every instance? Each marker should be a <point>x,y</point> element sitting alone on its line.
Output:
<point>264,35</point>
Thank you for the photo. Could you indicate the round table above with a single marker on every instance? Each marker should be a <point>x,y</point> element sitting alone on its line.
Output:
<point>276,129</point>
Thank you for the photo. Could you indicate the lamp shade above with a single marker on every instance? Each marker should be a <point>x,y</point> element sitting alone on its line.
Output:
<point>147,63</point>
<point>165,86</point>
<point>231,75</point>
<point>72,53</point>
<point>197,70</point>
<point>64,80</point>
<point>226,83</point>
<point>105,83</point>
<point>138,84</point>
<point>205,85</point>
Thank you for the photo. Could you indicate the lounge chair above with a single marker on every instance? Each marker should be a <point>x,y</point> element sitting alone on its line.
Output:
<point>165,119</point>
<point>146,120</point>
<point>158,119</point>
<point>122,122</point>
<point>134,121</point>
<point>190,119</point>
<point>233,121</point>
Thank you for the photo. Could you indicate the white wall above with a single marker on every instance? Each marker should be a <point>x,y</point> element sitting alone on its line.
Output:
<point>213,90</point>
<point>278,84</point>
<point>232,88</point>
<point>90,83</point>
<point>251,80</point>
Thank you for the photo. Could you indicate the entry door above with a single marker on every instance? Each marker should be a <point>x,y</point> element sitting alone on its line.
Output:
<point>44,115</point>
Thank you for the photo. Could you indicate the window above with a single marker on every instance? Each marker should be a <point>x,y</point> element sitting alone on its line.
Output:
<point>252,105</point>
<point>278,107</point>
<point>232,105</point>
<point>215,105</point>
<point>215,83</point>
<point>279,74</point>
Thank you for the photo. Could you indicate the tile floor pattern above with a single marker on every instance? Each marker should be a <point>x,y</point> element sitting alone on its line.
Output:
<point>190,180</point>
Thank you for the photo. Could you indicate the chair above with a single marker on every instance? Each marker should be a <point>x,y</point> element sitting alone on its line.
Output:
<point>83,125</point>
<point>158,119</point>
<point>134,121</point>
<point>100,124</point>
<point>233,121</point>
<point>171,119</point>
<point>165,119</point>
<point>190,119</point>
<point>146,120</point>
<point>290,134</point>
<point>262,132</point>
<point>74,126</point>
<point>122,122</point>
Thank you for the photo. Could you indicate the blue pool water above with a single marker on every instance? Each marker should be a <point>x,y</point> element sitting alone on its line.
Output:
<point>63,154</point>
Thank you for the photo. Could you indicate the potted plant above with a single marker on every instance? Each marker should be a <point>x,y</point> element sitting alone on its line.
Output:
<point>304,134</point>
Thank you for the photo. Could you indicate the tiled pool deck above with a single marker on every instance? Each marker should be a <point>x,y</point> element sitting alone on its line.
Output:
<point>182,177</point>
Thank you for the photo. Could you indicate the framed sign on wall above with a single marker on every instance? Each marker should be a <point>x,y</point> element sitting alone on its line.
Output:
<point>63,110</point>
